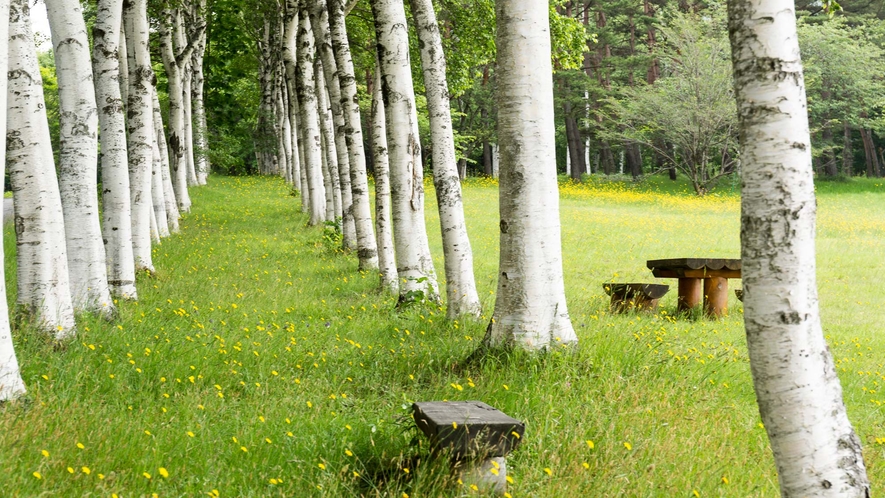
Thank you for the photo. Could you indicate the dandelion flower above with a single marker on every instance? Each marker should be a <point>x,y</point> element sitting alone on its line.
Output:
<point>37,475</point>
<point>548,471</point>
<point>163,472</point>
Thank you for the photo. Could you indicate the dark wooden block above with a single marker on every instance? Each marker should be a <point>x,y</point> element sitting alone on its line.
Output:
<point>469,428</point>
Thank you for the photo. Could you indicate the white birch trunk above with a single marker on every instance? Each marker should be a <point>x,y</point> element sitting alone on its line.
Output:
<point>319,19</point>
<point>11,383</point>
<point>116,206</point>
<point>158,200</point>
<point>180,43</point>
<point>201,133</point>
<point>290,34</point>
<point>309,120</point>
<point>816,451</point>
<point>460,283</point>
<point>367,249</point>
<point>172,214</point>
<point>383,224</point>
<point>155,233</point>
<point>140,126</point>
<point>78,158</point>
<point>530,308</point>
<point>200,128</point>
<point>287,133</point>
<point>43,282</point>
<point>178,162</point>
<point>414,264</point>
<point>333,189</point>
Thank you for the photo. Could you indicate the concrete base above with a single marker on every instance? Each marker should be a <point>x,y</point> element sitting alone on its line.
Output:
<point>488,475</point>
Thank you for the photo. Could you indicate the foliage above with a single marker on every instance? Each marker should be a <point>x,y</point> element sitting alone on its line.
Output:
<point>688,116</point>
<point>50,96</point>
<point>259,363</point>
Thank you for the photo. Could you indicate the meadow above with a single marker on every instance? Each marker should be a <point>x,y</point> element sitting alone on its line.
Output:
<point>259,362</point>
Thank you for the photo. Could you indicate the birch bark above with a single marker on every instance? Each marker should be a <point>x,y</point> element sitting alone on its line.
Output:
<point>42,265</point>
<point>461,295</point>
<point>383,226</point>
<point>158,200</point>
<point>116,204</point>
<point>367,250</point>
<point>201,137</point>
<point>333,188</point>
<point>172,214</point>
<point>11,383</point>
<point>414,264</point>
<point>78,158</point>
<point>530,308</point>
<point>816,450</point>
<point>177,159</point>
<point>140,126</point>
<point>290,35</point>
<point>309,120</point>
<point>319,21</point>
<point>180,43</point>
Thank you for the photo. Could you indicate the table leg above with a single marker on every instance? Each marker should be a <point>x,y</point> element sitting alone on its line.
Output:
<point>690,294</point>
<point>715,296</point>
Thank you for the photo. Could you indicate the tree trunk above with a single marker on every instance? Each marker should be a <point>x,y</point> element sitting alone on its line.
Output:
<point>530,307</point>
<point>383,226</point>
<point>78,158</point>
<point>319,21</point>
<point>461,295</point>
<point>42,269</point>
<point>11,383</point>
<point>330,157</point>
<point>800,399</point>
<point>634,159</point>
<point>201,137</point>
<point>172,214</point>
<point>180,44</point>
<point>309,119</point>
<point>367,249</point>
<point>413,261</point>
<point>178,162</point>
<point>290,35</point>
<point>141,127</point>
<point>158,199</point>
<point>847,152</point>
<point>116,207</point>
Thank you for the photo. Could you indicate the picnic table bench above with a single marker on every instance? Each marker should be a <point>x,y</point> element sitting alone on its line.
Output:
<point>700,280</point>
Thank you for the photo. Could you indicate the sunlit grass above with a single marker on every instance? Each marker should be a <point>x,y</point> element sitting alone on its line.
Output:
<point>260,362</point>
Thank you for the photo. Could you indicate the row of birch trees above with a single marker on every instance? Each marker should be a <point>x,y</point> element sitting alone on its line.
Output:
<point>816,450</point>
<point>79,249</point>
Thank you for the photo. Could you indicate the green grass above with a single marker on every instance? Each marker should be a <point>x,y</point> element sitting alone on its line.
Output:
<point>260,362</point>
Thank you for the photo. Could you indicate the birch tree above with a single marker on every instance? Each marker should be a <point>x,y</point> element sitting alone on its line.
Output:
<point>367,250</point>
<point>330,154</point>
<point>530,307</point>
<point>201,137</point>
<point>172,214</point>
<point>42,265</point>
<point>309,119</point>
<point>140,126</point>
<point>383,226</point>
<point>78,157</point>
<point>319,21</point>
<point>116,208</point>
<point>816,450</point>
<point>172,62</point>
<point>414,264</point>
<point>11,383</point>
<point>462,298</point>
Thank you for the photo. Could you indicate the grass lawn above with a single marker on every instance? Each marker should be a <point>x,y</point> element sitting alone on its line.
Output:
<point>259,362</point>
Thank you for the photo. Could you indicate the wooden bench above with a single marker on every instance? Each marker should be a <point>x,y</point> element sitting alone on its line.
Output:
<point>476,435</point>
<point>700,279</point>
<point>634,296</point>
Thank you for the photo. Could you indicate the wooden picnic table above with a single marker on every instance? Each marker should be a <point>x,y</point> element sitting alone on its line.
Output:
<point>700,279</point>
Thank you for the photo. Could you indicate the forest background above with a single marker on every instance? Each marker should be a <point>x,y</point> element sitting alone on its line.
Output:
<point>641,87</point>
